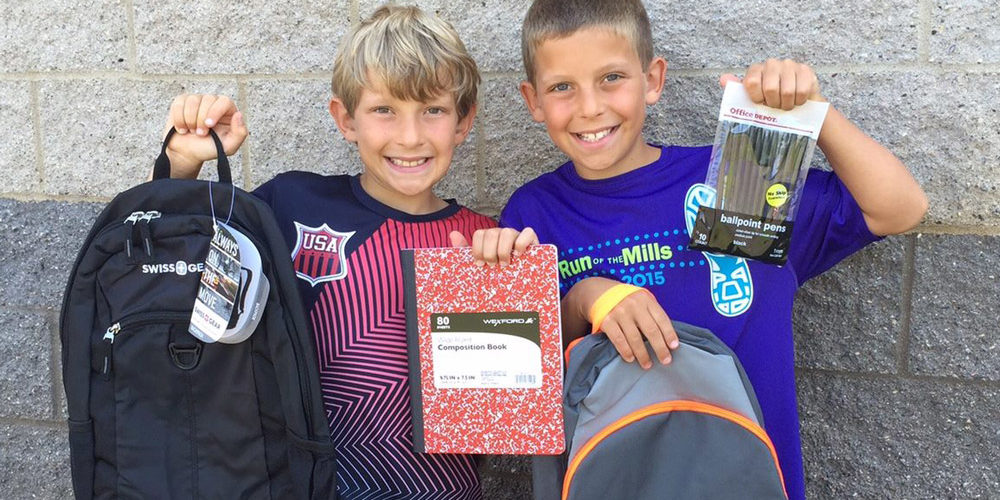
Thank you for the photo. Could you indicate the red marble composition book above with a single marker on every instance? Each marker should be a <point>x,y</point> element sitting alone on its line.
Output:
<point>485,352</point>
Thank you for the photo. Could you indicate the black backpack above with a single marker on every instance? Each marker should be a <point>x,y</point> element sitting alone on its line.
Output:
<point>153,411</point>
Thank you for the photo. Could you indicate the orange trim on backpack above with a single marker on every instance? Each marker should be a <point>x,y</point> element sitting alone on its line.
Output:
<point>572,345</point>
<point>666,407</point>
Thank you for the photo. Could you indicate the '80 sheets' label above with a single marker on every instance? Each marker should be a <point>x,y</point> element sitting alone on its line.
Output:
<point>486,350</point>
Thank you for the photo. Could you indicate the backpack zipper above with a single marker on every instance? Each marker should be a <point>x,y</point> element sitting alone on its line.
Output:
<point>138,319</point>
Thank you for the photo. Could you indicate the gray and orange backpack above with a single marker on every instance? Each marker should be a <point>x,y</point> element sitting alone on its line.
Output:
<point>688,430</point>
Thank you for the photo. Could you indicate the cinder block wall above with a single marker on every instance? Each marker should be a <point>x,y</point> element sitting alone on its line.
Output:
<point>897,349</point>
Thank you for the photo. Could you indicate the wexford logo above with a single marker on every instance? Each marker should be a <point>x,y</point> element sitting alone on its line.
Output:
<point>180,268</point>
<point>319,253</point>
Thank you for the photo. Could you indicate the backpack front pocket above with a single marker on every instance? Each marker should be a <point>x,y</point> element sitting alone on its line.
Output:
<point>181,412</point>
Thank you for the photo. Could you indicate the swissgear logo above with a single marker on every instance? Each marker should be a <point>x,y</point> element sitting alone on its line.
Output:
<point>319,253</point>
<point>180,268</point>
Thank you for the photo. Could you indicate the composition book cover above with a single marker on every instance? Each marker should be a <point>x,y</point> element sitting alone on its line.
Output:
<point>485,352</point>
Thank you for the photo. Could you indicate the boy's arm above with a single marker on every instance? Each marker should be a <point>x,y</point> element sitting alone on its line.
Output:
<point>890,199</point>
<point>192,115</point>
<point>635,319</point>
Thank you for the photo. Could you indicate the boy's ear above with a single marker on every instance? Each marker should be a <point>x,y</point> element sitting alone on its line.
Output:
<point>465,125</point>
<point>656,75</point>
<point>345,122</point>
<point>531,100</point>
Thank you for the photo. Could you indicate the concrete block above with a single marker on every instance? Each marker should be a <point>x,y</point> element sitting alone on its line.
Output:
<point>897,438</point>
<point>291,129</point>
<point>490,29</point>
<point>258,36</point>
<point>17,150</point>
<point>687,113</point>
<point>25,357</point>
<point>944,127</point>
<point>849,317</point>
<point>41,241</point>
<point>50,35</point>
<point>34,461</point>
<point>501,487</point>
<point>965,32</point>
<point>737,34</point>
<point>955,313</point>
<point>101,137</point>
<point>516,148</point>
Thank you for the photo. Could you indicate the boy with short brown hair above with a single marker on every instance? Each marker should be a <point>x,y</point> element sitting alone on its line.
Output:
<point>621,209</point>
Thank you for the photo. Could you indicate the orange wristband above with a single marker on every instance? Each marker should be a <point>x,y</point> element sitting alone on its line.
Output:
<point>607,301</point>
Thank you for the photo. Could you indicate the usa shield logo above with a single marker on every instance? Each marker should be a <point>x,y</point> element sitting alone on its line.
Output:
<point>319,253</point>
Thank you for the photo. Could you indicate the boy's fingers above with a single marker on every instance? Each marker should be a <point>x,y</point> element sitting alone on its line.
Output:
<point>477,247</point>
<point>666,327</point>
<point>457,239</point>
<point>526,238</point>
<point>191,104</point>
<point>222,107</point>
<point>237,134</point>
<point>752,82</point>
<point>806,77</point>
<point>635,342</point>
<point>175,117</point>
<point>790,89</point>
<point>651,330</point>
<point>617,338</point>
<point>770,83</point>
<point>505,245</point>
<point>491,239</point>
<point>726,78</point>
<point>203,107</point>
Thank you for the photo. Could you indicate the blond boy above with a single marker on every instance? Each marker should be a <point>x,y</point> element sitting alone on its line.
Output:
<point>405,93</point>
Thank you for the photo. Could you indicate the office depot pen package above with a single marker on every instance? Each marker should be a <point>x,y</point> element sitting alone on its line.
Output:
<point>758,168</point>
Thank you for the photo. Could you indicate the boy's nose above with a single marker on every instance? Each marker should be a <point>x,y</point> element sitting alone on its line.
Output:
<point>590,103</point>
<point>409,132</point>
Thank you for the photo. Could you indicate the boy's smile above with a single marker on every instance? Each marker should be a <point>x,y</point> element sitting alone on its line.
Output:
<point>406,146</point>
<point>591,92</point>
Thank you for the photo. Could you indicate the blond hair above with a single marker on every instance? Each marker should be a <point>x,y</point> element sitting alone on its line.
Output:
<point>416,56</point>
<point>552,19</point>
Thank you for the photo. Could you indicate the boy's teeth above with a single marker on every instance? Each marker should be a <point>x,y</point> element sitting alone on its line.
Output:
<point>595,136</point>
<point>404,163</point>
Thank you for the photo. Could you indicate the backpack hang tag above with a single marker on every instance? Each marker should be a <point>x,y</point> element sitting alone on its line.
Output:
<point>219,285</point>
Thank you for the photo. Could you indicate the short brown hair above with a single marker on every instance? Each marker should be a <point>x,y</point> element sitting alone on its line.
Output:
<point>415,55</point>
<point>549,19</point>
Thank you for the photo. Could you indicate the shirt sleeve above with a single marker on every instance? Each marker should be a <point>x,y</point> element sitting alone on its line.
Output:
<point>510,216</point>
<point>829,226</point>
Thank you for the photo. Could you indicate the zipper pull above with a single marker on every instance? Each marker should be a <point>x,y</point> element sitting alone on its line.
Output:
<point>131,219</point>
<point>147,238</point>
<point>109,341</point>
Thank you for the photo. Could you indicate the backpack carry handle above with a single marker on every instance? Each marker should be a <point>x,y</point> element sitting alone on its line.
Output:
<point>161,169</point>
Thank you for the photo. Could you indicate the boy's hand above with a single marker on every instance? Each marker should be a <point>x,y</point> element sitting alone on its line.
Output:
<point>192,115</point>
<point>779,83</point>
<point>637,318</point>
<point>495,246</point>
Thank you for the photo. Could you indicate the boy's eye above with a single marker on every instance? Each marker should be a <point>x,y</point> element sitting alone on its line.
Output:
<point>436,111</point>
<point>560,87</point>
<point>381,109</point>
<point>613,77</point>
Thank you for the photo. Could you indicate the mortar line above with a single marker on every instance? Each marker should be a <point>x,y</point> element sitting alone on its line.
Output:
<point>888,377</point>
<point>36,138</point>
<point>45,424</point>
<point>245,153</point>
<point>906,303</point>
<point>28,197</point>
<point>924,31</point>
<point>133,63</point>
<point>55,346</point>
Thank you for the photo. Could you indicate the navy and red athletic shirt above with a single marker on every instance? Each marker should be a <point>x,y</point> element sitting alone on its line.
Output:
<point>345,250</point>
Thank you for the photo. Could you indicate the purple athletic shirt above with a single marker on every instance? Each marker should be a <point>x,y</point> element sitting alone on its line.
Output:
<point>632,228</point>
